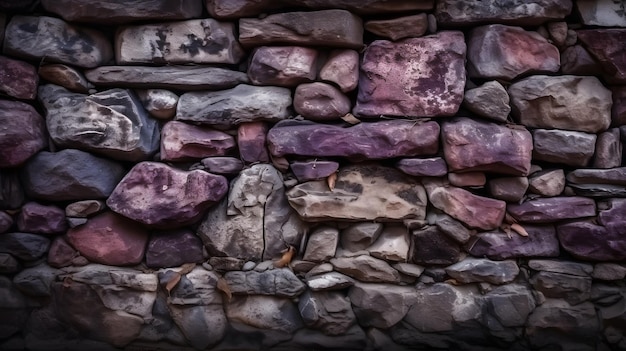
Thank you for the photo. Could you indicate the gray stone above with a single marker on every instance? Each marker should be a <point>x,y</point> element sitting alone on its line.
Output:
<point>329,281</point>
<point>329,312</point>
<point>276,282</point>
<point>548,210</point>
<point>564,267</point>
<point>85,208</point>
<point>476,270</point>
<point>6,222</point>
<point>566,102</point>
<point>608,271</point>
<point>66,76</point>
<point>320,102</point>
<point>265,312</point>
<point>409,269</point>
<point>313,170</point>
<point>70,175</point>
<point>497,245</point>
<point>366,269</point>
<point>392,244</point>
<point>52,39</point>
<point>430,246</point>
<point>112,122</point>
<point>564,147</point>
<point>453,228</point>
<point>243,103</point>
<point>360,236</point>
<point>558,33</point>
<point>367,192</point>
<point>285,66</point>
<point>23,133</point>
<point>41,219</point>
<point>547,183</point>
<point>517,12</point>
<point>36,281</point>
<point>24,246</point>
<point>489,100</point>
<point>185,142</point>
<point>8,264</point>
<point>508,188</point>
<point>222,264</point>
<point>335,28</point>
<point>603,13</point>
<point>423,167</point>
<point>11,189</point>
<point>159,103</point>
<point>399,27</point>
<point>321,245</point>
<point>61,253</point>
<point>608,152</point>
<point>576,60</point>
<point>467,179</point>
<point>510,304</point>
<point>222,165</point>
<point>199,41</point>
<point>381,305</point>
<point>342,68</point>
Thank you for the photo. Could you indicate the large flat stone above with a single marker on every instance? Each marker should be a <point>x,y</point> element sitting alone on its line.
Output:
<point>615,176</point>
<point>366,269</point>
<point>51,38</point>
<point>198,41</point>
<point>607,46</point>
<point>167,77</point>
<point>564,102</point>
<point>473,145</point>
<point>243,103</point>
<point>378,140</point>
<point>548,210</point>
<point>109,12</point>
<point>516,12</point>
<point>503,52</point>
<point>563,146</point>
<point>182,142</point>
<point>415,77</point>
<point>423,167</point>
<point>361,193</point>
<point>336,28</point>
<point>497,245</point>
<point>23,133</point>
<point>18,79</point>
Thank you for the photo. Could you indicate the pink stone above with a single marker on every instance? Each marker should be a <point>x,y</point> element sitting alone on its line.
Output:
<point>285,66</point>
<point>320,102</point>
<point>110,239</point>
<point>607,46</point>
<point>22,134</point>
<point>251,142</point>
<point>416,77</point>
<point>182,142</point>
<point>18,79</point>
<point>41,219</point>
<point>61,253</point>
<point>472,179</point>
<point>341,68</point>
<point>504,52</point>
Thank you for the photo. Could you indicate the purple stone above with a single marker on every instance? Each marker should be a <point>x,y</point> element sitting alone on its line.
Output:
<point>223,165</point>
<point>497,245</point>
<point>22,135</point>
<point>546,210</point>
<point>423,167</point>
<point>313,170</point>
<point>18,79</point>
<point>42,219</point>
<point>6,221</point>
<point>174,248</point>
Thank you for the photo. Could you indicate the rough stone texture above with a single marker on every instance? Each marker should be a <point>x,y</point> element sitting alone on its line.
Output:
<point>616,176</point>
<point>9,264</point>
<point>473,210</point>
<point>255,222</point>
<point>360,236</point>
<point>51,38</point>
<point>423,167</point>
<point>321,245</point>
<point>606,45</point>
<point>571,288</point>
<point>451,227</point>
<point>110,12</point>
<point>608,151</point>
<point>110,239</point>
<point>41,219</point>
<point>497,245</point>
<point>277,282</point>
<point>70,175</point>
<point>469,179</point>
<point>159,103</point>
<point>313,170</point>
<point>183,142</point>
<point>18,78</point>
<point>378,140</point>
<point>366,269</point>
<point>329,312</point>
<point>561,146</point>
<point>335,28</point>
<point>549,210</point>
<point>23,133</point>
<point>251,142</point>
<point>472,145</point>
<point>431,246</point>
<point>406,79</point>
<point>66,76</point>
<point>399,27</point>
<point>329,281</point>
<point>61,253</point>
<point>24,246</point>
<point>618,112</point>
<point>199,41</point>
<point>472,270</point>
<point>285,66</point>
<point>547,183</point>
<point>223,165</point>
<point>576,60</point>
<point>320,102</point>
<point>172,249</point>
<point>392,244</point>
<point>85,208</point>
<point>603,13</point>
<point>565,102</point>
<point>489,100</point>
<point>609,271</point>
<point>503,52</point>
<point>265,312</point>
<point>158,195</point>
<point>342,68</point>
<point>111,122</point>
<point>243,103</point>
<point>361,193</point>
<point>517,12</point>
<point>381,305</point>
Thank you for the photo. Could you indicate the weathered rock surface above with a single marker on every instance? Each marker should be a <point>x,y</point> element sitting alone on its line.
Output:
<point>489,100</point>
<point>361,193</point>
<point>562,146</point>
<point>112,122</point>
<point>366,269</point>
<point>41,219</point>
<point>199,41</point>
<point>423,167</point>
<point>70,175</point>
<point>576,60</point>
<point>618,111</point>
<point>320,102</point>
<point>608,151</point>
<point>431,246</point>
<point>84,208</point>
<point>503,52</point>
<point>243,103</point>
<point>321,245</point>
<point>603,13</point>
<point>472,270</point>
<point>329,281</point>
<point>335,28</point>
<point>66,76</point>
<point>23,133</point>
<point>450,226</point>
<point>517,12</point>
<point>110,12</point>
<point>183,142</point>
<point>467,179</point>
<point>222,165</point>
<point>608,271</point>
<point>548,210</point>
<point>24,246</point>
<point>18,78</point>
<point>61,253</point>
<point>158,195</point>
<point>392,244</point>
<point>406,79</point>
<point>33,37</point>
<point>606,45</point>
<point>251,140</point>
<point>342,68</point>
<point>172,249</point>
<point>571,288</point>
<point>472,145</point>
<point>255,222</point>
<point>265,312</point>
<point>399,27</point>
<point>508,188</point>
<point>497,245</point>
<point>329,312</point>
<point>276,282</point>
<point>360,236</point>
<point>381,305</point>
<point>159,103</point>
<point>547,183</point>
<point>564,102</point>
<point>377,140</point>
<point>313,170</point>
<point>616,176</point>
<point>110,239</point>
<point>285,66</point>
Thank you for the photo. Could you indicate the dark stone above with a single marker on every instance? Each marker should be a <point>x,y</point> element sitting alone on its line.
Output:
<point>497,245</point>
<point>41,219</point>
<point>618,111</point>
<point>607,46</point>
<point>61,253</point>
<point>18,79</point>
<point>251,142</point>
<point>432,247</point>
<point>275,282</point>
<point>222,165</point>
<point>516,12</point>
<point>172,249</point>
<point>25,246</point>
<point>285,66</point>
<point>565,147</point>
<point>6,222</point>
<point>23,133</point>
<point>66,76</point>
<point>313,170</point>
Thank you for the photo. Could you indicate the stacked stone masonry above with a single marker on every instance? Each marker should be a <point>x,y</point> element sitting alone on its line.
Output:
<point>312,174</point>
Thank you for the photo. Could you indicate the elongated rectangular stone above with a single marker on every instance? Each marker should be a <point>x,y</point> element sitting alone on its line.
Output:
<point>548,210</point>
<point>378,140</point>
<point>520,12</point>
<point>193,41</point>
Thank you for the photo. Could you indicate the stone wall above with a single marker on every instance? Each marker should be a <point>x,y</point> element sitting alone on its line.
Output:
<point>312,174</point>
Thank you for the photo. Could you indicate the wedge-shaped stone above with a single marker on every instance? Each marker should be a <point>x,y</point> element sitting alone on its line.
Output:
<point>181,142</point>
<point>243,103</point>
<point>285,66</point>
<point>342,68</point>
<point>505,52</point>
<point>472,145</point>
<point>548,210</point>
<point>158,195</point>
<point>275,282</point>
<point>432,246</point>
<point>489,100</point>
<point>37,38</point>
<point>564,102</point>
<point>607,46</point>
<point>66,76</point>
<point>497,245</point>
<point>415,77</point>
<point>112,122</point>
<point>22,135</point>
<point>361,193</point>
<point>113,12</point>
<point>166,77</point>
<point>364,141</point>
<point>366,269</point>
<point>563,146</point>
<point>193,41</point>
<point>519,12</point>
<point>337,28</point>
